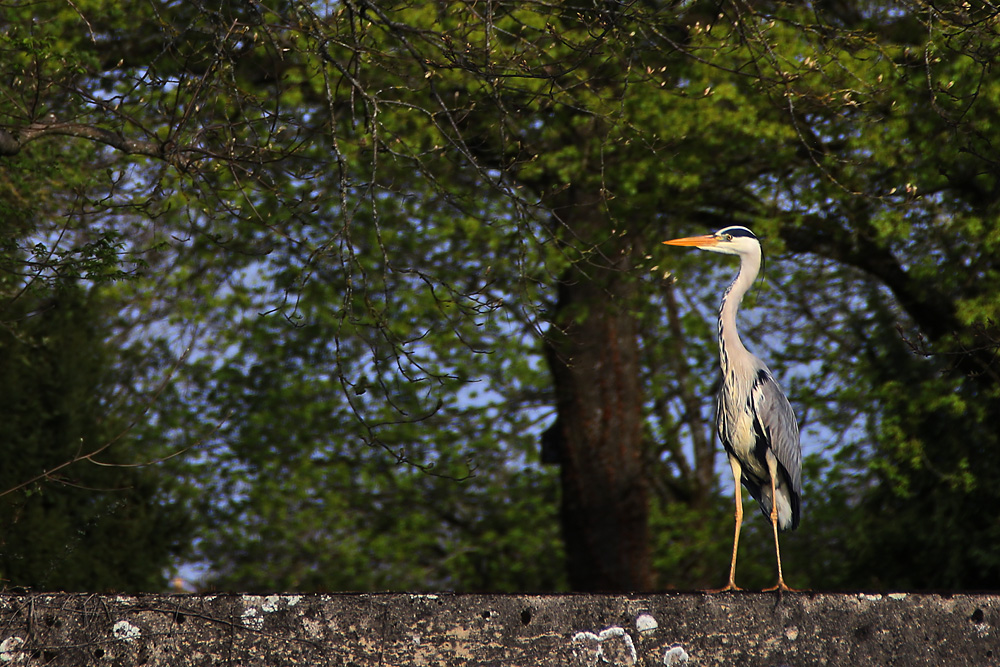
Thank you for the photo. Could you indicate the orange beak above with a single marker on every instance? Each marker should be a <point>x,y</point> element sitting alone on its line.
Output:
<point>697,241</point>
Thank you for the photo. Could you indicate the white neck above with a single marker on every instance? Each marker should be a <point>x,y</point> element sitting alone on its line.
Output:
<point>729,337</point>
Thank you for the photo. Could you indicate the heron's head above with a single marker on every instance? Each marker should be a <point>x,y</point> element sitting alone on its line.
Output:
<point>733,240</point>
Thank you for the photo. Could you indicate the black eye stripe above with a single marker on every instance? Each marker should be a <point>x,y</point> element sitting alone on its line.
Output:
<point>735,232</point>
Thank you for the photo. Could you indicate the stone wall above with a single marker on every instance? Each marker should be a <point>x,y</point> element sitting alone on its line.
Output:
<point>388,630</point>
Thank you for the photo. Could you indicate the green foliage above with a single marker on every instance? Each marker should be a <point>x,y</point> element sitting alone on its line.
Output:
<point>92,525</point>
<point>374,454</point>
<point>343,229</point>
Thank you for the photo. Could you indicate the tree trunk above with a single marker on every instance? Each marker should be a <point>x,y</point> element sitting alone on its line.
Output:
<point>592,352</point>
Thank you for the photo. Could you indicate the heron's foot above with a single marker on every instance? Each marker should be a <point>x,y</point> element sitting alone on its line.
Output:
<point>782,587</point>
<point>731,586</point>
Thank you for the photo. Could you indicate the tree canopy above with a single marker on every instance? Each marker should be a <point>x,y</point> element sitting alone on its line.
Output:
<point>376,296</point>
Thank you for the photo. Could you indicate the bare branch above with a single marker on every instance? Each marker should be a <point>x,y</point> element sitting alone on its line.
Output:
<point>11,142</point>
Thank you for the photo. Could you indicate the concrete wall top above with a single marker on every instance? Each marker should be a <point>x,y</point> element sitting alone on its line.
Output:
<point>392,629</point>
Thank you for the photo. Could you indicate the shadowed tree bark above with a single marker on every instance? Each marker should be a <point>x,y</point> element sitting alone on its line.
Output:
<point>592,352</point>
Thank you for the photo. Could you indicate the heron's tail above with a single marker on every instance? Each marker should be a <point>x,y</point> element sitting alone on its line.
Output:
<point>788,505</point>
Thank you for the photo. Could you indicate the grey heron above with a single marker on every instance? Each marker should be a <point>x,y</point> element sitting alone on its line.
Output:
<point>754,419</point>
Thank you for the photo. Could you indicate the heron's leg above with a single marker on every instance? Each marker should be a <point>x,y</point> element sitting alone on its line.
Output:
<point>772,467</point>
<point>738,490</point>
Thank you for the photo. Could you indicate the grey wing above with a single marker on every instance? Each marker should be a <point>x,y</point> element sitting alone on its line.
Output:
<point>777,421</point>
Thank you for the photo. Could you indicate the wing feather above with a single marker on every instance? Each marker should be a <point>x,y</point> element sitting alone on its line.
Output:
<point>776,420</point>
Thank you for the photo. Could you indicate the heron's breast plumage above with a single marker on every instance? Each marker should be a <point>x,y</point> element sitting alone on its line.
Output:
<point>737,431</point>
<point>744,430</point>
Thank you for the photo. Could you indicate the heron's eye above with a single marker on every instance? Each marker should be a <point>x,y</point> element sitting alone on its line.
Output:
<point>728,237</point>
